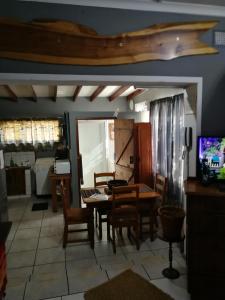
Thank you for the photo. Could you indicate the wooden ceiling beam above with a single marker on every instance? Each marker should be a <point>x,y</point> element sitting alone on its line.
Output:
<point>34,98</point>
<point>76,92</point>
<point>97,92</point>
<point>118,92</point>
<point>135,94</point>
<point>12,96</point>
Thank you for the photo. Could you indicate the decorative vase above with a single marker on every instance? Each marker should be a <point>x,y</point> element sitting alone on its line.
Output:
<point>172,218</point>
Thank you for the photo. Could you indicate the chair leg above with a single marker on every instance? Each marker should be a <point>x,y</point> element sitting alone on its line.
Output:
<point>100,226</point>
<point>128,232</point>
<point>108,231</point>
<point>65,235</point>
<point>141,227</point>
<point>137,236</point>
<point>114,239</point>
<point>96,218</point>
<point>120,231</point>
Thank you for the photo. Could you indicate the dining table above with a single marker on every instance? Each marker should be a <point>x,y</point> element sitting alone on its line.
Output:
<point>146,195</point>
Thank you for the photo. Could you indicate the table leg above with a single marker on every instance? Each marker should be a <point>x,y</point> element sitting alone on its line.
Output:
<point>92,233</point>
<point>54,196</point>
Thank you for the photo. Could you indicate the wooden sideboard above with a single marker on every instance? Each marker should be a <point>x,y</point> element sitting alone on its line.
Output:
<point>205,240</point>
<point>55,181</point>
<point>15,180</point>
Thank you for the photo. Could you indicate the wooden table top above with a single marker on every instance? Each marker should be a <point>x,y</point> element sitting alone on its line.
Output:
<point>144,194</point>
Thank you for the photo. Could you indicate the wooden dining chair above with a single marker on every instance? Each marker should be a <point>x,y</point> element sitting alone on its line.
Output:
<point>101,213</point>
<point>124,212</point>
<point>74,216</point>
<point>149,211</point>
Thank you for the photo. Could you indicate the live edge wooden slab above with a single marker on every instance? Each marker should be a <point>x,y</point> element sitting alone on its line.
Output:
<point>63,42</point>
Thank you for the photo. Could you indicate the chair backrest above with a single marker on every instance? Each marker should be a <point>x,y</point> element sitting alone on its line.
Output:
<point>161,186</point>
<point>125,195</point>
<point>110,175</point>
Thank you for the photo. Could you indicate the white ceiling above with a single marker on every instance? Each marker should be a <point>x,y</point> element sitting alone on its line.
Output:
<point>197,7</point>
<point>58,91</point>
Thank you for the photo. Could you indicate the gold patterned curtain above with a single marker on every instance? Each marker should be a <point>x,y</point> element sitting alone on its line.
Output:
<point>29,131</point>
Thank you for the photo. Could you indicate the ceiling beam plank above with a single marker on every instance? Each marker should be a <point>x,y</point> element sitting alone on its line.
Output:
<point>12,96</point>
<point>97,92</point>
<point>135,94</point>
<point>118,92</point>
<point>35,98</point>
<point>76,92</point>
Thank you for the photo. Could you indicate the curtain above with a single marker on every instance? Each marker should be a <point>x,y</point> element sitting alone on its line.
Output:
<point>167,118</point>
<point>29,131</point>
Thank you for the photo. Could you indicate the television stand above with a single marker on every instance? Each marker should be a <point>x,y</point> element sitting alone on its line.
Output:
<point>221,186</point>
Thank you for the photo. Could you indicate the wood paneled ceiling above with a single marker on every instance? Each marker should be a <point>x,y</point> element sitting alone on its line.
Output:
<point>71,92</point>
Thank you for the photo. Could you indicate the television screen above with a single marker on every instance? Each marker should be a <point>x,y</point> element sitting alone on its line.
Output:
<point>211,156</point>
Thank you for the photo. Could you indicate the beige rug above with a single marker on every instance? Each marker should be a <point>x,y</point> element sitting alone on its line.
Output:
<point>126,286</point>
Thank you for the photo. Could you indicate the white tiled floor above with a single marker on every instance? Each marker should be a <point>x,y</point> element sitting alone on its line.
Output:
<point>39,268</point>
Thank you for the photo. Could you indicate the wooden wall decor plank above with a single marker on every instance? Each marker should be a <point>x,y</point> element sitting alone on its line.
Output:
<point>12,96</point>
<point>97,92</point>
<point>135,94</point>
<point>76,92</point>
<point>118,92</point>
<point>64,42</point>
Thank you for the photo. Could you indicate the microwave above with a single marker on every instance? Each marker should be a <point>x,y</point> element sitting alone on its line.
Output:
<point>62,166</point>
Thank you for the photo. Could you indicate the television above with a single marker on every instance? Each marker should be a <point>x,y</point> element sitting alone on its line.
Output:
<point>211,157</point>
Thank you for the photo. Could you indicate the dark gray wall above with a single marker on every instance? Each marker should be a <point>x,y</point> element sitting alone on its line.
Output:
<point>47,108</point>
<point>112,21</point>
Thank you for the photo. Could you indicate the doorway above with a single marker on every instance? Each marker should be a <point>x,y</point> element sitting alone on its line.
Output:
<point>96,147</point>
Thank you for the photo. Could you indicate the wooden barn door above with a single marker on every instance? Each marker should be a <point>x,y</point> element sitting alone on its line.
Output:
<point>124,149</point>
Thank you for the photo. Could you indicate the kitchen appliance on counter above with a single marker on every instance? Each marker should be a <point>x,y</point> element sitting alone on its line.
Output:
<point>62,166</point>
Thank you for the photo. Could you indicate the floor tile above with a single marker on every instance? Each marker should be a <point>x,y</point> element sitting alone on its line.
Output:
<point>72,265</point>
<point>128,248</point>
<point>107,261</point>
<point>17,279</point>
<point>79,252</point>
<point>58,298</point>
<point>52,221</point>
<point>41,289</point>
<point>20,259</point>
<point>27,233</point>
<point>20,245</point>
<point>47,281</point>
<point>157,244</point>
<point>105,249</point>
<point>60,274</point>
<point>175,288</point>
<point>82,279</point>
<point>30,215</point>
<point>50,231</point>
<point>30,224</point>
<point>79,296</point>
<point>50,242</point>
<point>51,255</point>
<point>55,270</point>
